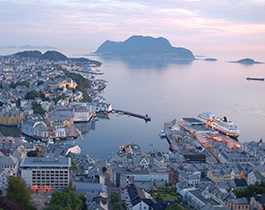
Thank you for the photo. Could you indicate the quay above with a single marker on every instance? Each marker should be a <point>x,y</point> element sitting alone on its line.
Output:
<point>145,117</point>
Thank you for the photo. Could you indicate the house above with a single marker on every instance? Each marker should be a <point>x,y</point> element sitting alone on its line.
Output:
<point>144,163</point>
<point>9,162</point>
<point>238,184</point>
<point>135,198</point>
<point>190,179</point>
<point>255,176</point>
<point>257,201</point>
<point>4,174</point>
<point>103,107</point>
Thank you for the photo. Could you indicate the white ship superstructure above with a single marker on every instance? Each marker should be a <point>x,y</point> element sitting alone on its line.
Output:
<point>223,125</point>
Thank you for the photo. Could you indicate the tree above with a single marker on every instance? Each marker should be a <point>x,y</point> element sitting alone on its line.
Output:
<point>75,202</point>
<point>56,207</point>
<point>104,169</point>
<point>83,199</point>
<point>32,94</point>
<point>61,199</point>
<point>73,166</point>
<point>114,197</point>
<point>67,199</point>
<point>6,204</point>
<point>18,191</point>
<point>116,206</point>
<point>175,206</point>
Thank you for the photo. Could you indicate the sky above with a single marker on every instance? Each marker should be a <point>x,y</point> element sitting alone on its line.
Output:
<point>202,26</point>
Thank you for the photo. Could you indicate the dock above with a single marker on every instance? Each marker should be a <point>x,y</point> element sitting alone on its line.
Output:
<point>145,117</point>
<point>80,134</point>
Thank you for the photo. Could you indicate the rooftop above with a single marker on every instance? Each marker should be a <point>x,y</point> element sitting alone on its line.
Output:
<point>45,162</point>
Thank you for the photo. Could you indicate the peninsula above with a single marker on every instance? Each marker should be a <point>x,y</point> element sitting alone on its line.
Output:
<point>144,47</point>
<point>54,56</point>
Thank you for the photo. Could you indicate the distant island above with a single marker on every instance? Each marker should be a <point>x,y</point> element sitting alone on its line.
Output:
<point>210,59</point>
<point>54,56</point>
<point>37,47</point>
<point>144,47</point>
<point>246,61</point>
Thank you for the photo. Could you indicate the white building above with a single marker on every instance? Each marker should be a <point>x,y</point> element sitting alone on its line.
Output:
<point>45,174</point>
<point>60,133</point>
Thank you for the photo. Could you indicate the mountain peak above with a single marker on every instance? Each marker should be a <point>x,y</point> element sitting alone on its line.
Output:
<point>144,46</point>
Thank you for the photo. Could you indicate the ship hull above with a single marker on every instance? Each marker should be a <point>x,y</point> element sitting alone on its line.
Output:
<point>234,136</point>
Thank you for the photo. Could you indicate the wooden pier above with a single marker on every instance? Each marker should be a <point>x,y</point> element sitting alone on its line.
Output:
<point>145,117</point>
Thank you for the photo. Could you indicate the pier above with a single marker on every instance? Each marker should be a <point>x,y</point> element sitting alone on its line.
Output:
<point>80,134</point>
<point>145,117</point>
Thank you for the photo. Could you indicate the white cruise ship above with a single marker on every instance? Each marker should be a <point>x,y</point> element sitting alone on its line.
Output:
<point>222,125</point>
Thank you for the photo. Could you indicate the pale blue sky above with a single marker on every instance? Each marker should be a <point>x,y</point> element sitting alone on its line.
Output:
<point>199,25</point>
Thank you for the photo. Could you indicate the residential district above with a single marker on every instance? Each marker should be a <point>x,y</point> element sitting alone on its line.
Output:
<point>207,169</point>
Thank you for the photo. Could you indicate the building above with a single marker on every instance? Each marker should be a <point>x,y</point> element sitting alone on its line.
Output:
<point>135,198</point>
<point>45,174</point>
<point>237,203</point>
<point>257,201</point>
<point>34,126</point>
<point>255,176</point>
<point>11,117</point>
<point>61,150</point>
<point>192,156</point>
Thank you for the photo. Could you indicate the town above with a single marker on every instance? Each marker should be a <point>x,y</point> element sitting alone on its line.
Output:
<point>44,98</point>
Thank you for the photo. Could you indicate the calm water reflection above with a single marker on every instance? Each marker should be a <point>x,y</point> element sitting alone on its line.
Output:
<point>169,90</point>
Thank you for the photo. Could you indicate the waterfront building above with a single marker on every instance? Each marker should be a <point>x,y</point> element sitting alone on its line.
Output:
<point>61,114</point>
<point>35,126</point>
<point>46,174</point>
<point>103,107</point>
<point>11,117</point>
<point>60,133</point>
<point>81,113</point>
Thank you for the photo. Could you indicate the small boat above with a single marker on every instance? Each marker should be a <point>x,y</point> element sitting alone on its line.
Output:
<point>57,139</point>
<point>50,141</point>
<point>162,134</point>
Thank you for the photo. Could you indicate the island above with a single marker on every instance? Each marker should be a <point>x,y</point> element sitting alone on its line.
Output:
<point>210,59</point>
<point>37,47</point>
<point>144,47</point>
<point>246,61</point>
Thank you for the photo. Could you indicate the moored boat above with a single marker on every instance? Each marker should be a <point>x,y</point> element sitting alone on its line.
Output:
<point>222,125</point>
<point>254,78</point>
<point>162,134</point>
